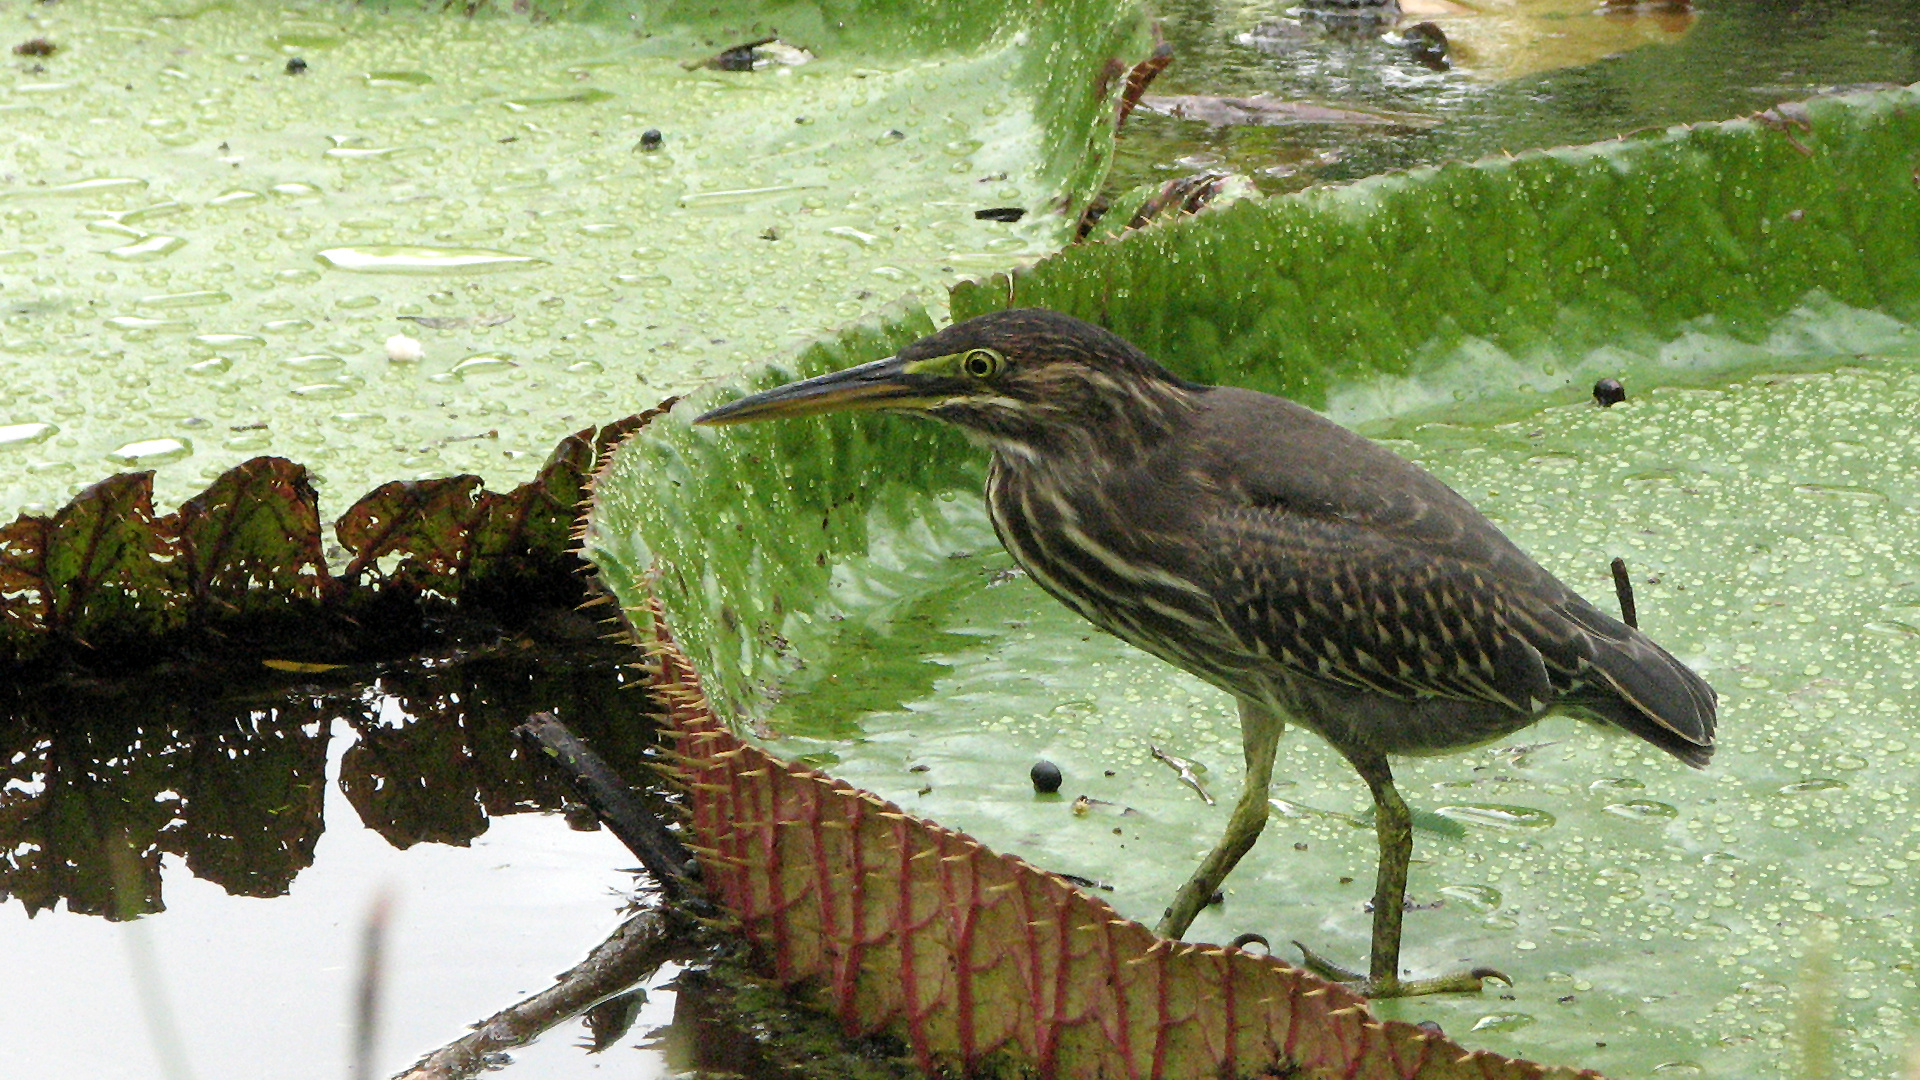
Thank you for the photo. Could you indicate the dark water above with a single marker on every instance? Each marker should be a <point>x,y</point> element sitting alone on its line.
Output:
<point>259,815</point>
<point>1722,60</point>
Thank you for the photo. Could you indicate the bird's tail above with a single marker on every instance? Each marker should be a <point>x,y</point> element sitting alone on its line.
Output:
<point>1639,686</point>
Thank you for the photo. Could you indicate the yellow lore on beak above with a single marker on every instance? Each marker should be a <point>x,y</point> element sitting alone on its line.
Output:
<point>882,384</point>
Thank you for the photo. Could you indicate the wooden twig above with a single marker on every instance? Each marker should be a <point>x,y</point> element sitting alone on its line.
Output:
<point>615,804</point>
<point>1623,588</point>
<point>634,952</point>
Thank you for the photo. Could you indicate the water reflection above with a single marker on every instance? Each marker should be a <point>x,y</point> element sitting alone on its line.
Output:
<point>1566,74</point>
<point>229,774</point>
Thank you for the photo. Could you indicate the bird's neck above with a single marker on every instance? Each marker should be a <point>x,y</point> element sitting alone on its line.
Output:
<point>1103,431</point>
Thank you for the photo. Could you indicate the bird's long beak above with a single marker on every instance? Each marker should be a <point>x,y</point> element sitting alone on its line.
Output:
<point>882,384</point>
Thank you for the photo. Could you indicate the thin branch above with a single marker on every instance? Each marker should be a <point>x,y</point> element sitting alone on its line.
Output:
<point>634,952</point>
<point>615,804</point>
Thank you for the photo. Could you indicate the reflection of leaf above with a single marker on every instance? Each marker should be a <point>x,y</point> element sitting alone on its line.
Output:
<point>251,798</point>
<point>235,785</point>
<point>416,783</point>
<point>83,825</point>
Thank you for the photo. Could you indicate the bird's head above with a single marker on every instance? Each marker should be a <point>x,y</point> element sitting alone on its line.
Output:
<point>1024,381</point>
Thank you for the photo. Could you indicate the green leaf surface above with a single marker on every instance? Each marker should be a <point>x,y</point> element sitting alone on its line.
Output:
<point>1532,273</point>
<point>203,255</point>
<point>837,584</point>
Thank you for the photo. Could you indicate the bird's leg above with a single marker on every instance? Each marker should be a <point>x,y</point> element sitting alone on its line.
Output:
<point>1260,729</point>
<point>1393,826</point>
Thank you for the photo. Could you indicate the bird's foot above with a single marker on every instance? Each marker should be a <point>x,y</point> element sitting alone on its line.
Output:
<point>1463,982</point>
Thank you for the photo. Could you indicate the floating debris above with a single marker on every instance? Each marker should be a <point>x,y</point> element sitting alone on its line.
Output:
<point>1261,110</point>
<point>754,56</point>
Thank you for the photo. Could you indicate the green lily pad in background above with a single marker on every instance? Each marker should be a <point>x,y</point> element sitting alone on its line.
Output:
<point>207,249</point>
<point>838,585</point>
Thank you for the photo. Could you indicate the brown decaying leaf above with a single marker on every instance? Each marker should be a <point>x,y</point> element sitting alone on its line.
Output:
<point>894,923</point>
<point>105,570</point>
<point>431,520</point>
<point>251,540</point>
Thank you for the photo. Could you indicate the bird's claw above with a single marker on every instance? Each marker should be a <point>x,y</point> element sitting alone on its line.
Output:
<point>1463,982</point>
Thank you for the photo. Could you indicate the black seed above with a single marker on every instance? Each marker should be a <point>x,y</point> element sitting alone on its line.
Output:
<point>650,139</point>
<point>1000,213</point>
<point>1045,776</point>
<point>296,66</point>
<point>1608,392</point>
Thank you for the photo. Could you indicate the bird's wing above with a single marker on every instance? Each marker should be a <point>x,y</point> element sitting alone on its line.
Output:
<point>1359,609</point>
<point>1270,453</point>
<point>1372,573</point>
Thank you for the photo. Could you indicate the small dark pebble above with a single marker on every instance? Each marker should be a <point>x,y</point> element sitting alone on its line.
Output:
<point>1608,392</point>
<point>1300,846</point>
<point>36,47</point>
<point>650,139</point>
<point>296,66</point>
<point>1000,213</point>
<point>1045,776</point>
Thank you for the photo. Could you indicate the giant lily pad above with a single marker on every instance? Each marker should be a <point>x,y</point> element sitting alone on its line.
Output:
<point>1755,284</point>
<point>206,247</point>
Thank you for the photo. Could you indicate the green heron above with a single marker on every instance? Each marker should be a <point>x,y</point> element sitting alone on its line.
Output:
<point>1314,575</point>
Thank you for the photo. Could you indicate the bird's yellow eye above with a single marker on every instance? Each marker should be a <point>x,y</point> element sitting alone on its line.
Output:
<point>982,363</point>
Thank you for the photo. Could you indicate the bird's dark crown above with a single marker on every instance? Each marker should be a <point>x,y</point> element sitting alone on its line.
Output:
<point>1033,377</point>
